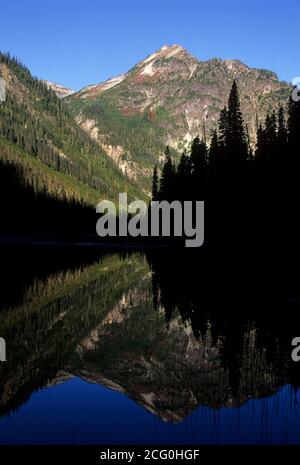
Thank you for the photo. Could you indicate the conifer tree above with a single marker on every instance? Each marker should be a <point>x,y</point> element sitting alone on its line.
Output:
<point>184,177</point>
<point>282,130</point>
<point>167,180</point>
<point>281,147</point>
<point>260,144</point>
<point>236,141</point>
<point>216,164</point>
<point>198,157</point>
<point>155,185</point>
<point>214,153</point>
<point>198,167</point>
<point>293,127</point>
<point>270,136</point>
<point>223,129</point>
<point>293,157</point>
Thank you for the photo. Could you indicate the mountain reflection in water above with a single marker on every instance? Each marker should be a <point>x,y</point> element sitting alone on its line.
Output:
<point>154,347</point>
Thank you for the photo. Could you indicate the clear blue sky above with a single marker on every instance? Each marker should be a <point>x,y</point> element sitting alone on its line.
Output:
<point>77,42</point>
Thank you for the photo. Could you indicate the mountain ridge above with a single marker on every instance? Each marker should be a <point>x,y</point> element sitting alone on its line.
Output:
<point>60,91</point>
<point>169,98</point>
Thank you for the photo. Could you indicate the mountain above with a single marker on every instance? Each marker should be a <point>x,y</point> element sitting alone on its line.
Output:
<point>169,98</point>
<point>106,138</point>
<point>52,156</point>
<point>60,91</point>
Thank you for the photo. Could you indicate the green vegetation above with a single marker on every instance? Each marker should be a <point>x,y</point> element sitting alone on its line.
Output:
<point>137,133</point>
<point>34,120</point>
<point>54,316</point>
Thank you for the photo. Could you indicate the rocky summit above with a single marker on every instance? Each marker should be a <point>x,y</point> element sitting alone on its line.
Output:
<point>169,98</point>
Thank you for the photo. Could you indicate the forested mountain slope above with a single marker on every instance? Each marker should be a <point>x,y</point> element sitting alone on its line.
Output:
<point>53,155</point>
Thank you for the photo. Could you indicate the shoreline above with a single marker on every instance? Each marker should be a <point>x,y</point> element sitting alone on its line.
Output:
<point>81,241</point>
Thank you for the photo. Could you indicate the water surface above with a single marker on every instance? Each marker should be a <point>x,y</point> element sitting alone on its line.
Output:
<point>127,349</point>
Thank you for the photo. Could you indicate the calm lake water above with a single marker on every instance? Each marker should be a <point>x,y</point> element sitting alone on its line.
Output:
<point>126,348</point>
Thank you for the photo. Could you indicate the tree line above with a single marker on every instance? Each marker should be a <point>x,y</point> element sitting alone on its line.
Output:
<point>249,187</point>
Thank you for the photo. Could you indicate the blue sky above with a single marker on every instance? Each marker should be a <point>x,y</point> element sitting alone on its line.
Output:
<point>77,42</point>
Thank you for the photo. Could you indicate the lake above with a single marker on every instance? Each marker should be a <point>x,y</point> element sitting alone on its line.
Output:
<point>145,347</point>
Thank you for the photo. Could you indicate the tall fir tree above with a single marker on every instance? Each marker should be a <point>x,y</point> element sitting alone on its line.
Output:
<point>281,141</point>
<point>167,180</point>
<point>236,141</point>
<point>293,127</point>
<point>155,184</point>
<point>183,188</point>
<point>293,156</point>
<point>270,136</point>
<point>214,154</point>
<point>223,129</point>
<point>260,145</point>
<point>282,130</point>
<point>198,167</point>
<point>217,165</point>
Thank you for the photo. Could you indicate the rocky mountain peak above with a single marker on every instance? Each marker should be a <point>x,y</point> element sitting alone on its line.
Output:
<point>169,98</point>
<point>165,52</point>
<point>164,59</point>
<point>153,67</point>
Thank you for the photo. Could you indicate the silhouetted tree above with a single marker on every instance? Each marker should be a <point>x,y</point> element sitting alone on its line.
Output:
<point>184,177</point>
<point>216,162</point>
<point>167,180</point>
<point>294,130</point>
<point>223,129</point>
<point>260,144</point>
<point>198,168</point>
<point>282,130</point>
<point>271,135</point>
<point>155,184</point>
<point>248,193</point>
<point>236,142</point>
